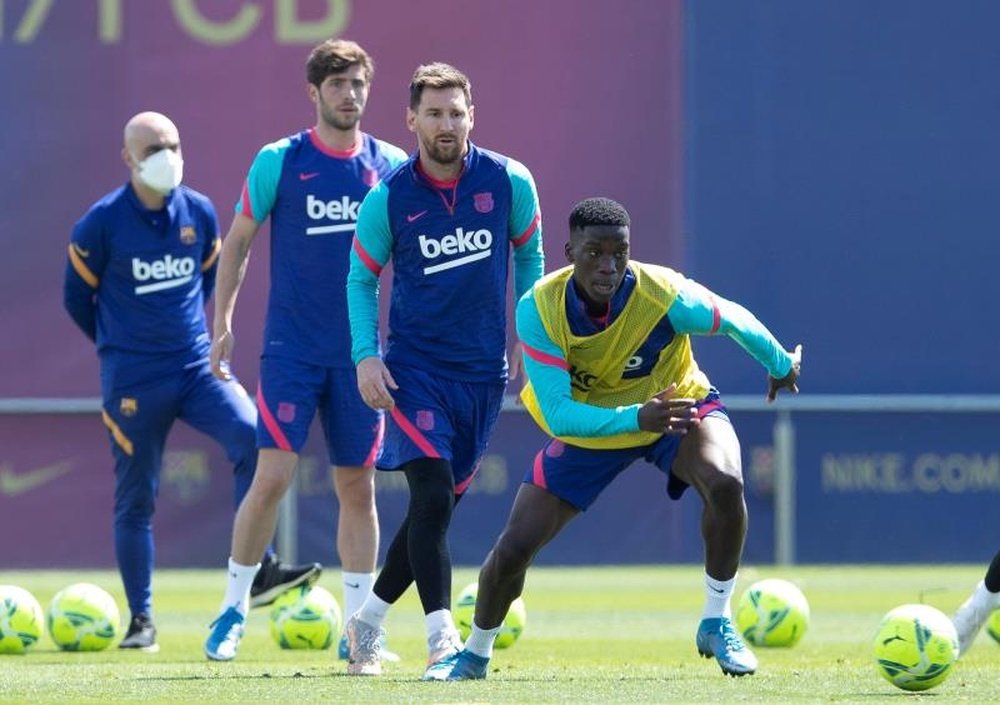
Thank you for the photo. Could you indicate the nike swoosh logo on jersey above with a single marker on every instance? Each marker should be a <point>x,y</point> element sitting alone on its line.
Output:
<point>305,176</point>
<point>352,585</point>
<point>414,216</point>
<point>80,251</point>
<point>13,484</point>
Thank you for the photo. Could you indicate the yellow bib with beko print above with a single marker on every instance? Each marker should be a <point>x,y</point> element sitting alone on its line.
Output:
<point>597,362</point>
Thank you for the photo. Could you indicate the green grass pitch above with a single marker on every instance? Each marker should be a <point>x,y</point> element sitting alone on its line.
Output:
<point>593,635</point>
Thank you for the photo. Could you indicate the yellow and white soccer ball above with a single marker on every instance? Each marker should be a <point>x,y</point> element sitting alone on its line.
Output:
<point>772,612</point>
<point>305,618</point>
<point>513,624</point>
<point>83,617</point>
<point>915,647</point>
<point>21,620</point>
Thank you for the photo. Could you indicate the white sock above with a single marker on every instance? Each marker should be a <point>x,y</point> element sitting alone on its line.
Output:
<point>982,596</point>
<point>238,586</point>
<point>480,642</point>
<point>439,621</point>
<point>356,589</point>
<point>717,595</point>
<point>373,610</point>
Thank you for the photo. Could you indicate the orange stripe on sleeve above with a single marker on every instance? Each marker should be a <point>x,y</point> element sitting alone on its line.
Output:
<point>210,260</point>
<point>81,267</point>
<point>120,438</point>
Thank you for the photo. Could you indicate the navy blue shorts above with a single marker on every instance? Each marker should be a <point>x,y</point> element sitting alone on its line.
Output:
<point>440,418</point>
<point>579,475</point>
<point>289,394</point>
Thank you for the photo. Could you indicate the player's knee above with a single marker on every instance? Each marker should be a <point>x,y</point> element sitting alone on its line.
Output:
<point>269,486</point>
<point>432,506</point>
<point>354,487</point>
<point>513,554</point>
<point>724,489</point>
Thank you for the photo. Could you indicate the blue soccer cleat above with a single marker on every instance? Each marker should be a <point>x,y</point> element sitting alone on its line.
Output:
<point>225,636</point>
<point>718,638</point>
<point>463,666</point>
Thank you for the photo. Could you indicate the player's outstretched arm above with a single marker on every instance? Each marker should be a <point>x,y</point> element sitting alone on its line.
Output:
<point>789,381</point>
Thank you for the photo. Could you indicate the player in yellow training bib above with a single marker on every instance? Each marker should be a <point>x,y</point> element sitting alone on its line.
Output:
<point>611,377</point>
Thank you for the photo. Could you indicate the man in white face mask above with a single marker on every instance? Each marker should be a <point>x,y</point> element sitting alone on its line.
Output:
<point>153,152</point>
<point>141,266</point>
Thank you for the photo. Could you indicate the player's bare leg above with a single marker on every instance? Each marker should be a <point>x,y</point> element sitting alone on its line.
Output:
<point>357,541</point>
<point>709,460</point>
<point>257,517</point>
<point>253,529</point>
<point>535,519</point>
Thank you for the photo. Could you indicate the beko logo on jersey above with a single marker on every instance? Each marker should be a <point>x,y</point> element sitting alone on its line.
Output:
<point>476,242</point>
<point>344,210</point>
<point>166,273</point>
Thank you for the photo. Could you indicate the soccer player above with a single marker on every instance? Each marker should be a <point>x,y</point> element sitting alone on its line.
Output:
<point>612,379</point>
<point>310,184</point>
<point>142,263</point>
<point>448,220</point>
<point>972,615</point>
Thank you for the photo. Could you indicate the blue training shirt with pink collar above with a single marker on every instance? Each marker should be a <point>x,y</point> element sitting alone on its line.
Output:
<point>450,246</point>
<point>312,195</point>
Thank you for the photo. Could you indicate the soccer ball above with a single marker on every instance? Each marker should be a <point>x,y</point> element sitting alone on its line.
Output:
<point>915,647</point>
<point>83,617</point>
<point>993,626</point>
<point>511,627</point>
<point>305,618</point>
<point>21,620</point>
<point>772,612</point>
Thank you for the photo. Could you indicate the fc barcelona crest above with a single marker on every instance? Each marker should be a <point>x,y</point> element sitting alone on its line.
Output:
<point>188,235</point>
<point>128,406</point>
<point>483,202</point>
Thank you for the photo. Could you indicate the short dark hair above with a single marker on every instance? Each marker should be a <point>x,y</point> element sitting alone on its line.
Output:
<point>438,76</point>
<point>598,211</point>
<point>336,56</point>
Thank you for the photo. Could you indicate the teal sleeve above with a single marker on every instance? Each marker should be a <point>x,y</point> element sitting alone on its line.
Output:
<point>525,229</point>
<point>697,311</point>
<point>369,254</point>
<point>393,154</point>
<point>261,187</point>
<point>545,365</point>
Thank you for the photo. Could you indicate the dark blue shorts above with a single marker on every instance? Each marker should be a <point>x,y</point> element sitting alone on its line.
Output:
<point>289,394</point>
<point>440,418</point>
<point>579,475</point>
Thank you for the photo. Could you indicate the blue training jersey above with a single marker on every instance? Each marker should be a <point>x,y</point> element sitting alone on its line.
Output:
<point>312,195</point>
<point>450,247</point>
<point>137,280</point>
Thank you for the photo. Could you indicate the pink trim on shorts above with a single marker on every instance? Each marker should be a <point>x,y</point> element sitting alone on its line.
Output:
<point>538,471</point>
<point>413,434</point>
<point>379,435</point>
<point>270,423</point>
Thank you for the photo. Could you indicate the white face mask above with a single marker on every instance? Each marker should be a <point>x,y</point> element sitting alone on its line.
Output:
<point>162,171</point>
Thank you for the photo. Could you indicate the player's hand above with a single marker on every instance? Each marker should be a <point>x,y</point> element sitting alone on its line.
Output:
<point>221,354</point>
<point>516,361</point>
<point>374,383</point>
<point>789,381</point>
<point>667,415</point>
